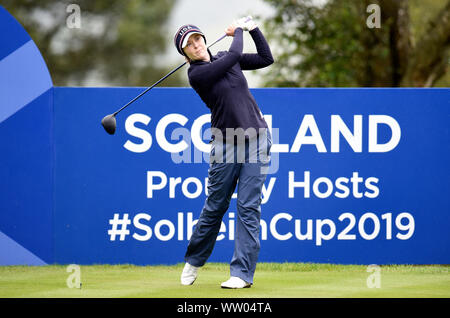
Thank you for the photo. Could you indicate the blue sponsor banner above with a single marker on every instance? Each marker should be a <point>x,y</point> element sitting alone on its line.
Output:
<point>357,176</point>
<point>26,148</point>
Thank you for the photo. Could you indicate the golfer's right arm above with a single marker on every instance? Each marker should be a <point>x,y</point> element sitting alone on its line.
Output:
<point>209,73</point>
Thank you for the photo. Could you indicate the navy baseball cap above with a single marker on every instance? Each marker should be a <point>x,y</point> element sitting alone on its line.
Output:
<point>182,36</point>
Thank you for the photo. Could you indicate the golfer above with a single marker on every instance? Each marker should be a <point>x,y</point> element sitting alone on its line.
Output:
<point>240,147</point>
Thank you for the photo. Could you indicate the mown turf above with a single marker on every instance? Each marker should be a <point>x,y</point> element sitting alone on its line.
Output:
<point>272,280</point>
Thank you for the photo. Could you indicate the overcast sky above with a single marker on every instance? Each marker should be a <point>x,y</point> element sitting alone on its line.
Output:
<point>212,17</point>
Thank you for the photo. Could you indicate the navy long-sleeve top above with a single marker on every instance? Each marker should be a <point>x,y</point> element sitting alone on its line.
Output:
<point>223,87</point>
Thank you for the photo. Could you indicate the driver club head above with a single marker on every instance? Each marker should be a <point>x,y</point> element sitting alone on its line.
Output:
<point>109,123</point>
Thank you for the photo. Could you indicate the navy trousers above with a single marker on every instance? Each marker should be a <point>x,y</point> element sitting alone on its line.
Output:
<point>249,176</point>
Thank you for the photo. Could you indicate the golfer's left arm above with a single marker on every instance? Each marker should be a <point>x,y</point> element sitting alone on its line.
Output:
<point>263,57</point>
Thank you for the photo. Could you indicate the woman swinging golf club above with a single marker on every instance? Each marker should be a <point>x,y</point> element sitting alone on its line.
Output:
<point>220,83</point>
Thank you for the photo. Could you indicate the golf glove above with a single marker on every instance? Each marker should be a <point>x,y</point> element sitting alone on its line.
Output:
<point>250,24</point>
<point>241,23</point>
<point>246,23</point>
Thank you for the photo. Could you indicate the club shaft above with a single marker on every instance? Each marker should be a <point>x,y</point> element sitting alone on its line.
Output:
<point>162,79</point>
<point>149,88</point>
<point>221,38</point>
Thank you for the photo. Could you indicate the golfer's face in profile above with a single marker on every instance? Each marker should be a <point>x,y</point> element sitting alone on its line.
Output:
<point>196,48</point>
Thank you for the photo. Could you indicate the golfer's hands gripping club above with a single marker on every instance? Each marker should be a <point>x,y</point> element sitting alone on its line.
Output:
<point>245,23</point>
<point>249,24</point>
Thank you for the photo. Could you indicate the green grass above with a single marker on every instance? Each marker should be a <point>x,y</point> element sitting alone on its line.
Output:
<point>272,280</point>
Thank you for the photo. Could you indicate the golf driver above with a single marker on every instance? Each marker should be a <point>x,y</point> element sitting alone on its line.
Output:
<point>109,121</point>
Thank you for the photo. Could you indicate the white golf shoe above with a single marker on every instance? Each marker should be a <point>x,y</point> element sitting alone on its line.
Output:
<point>189,274</point>
<point>235,282</point>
